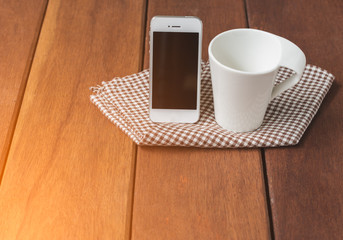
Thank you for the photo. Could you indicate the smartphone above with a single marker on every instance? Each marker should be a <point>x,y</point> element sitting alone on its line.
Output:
<point>175,58</point>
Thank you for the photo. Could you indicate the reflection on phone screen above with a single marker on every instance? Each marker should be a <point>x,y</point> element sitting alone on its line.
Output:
<point>175,70</point>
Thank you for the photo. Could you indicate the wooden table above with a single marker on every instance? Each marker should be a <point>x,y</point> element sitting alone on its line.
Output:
<point>68,173</point>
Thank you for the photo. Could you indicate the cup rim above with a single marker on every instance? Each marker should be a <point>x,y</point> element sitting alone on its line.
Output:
<point>236,70</point>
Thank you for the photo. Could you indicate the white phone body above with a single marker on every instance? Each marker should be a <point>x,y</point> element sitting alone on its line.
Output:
<point>175,69</point>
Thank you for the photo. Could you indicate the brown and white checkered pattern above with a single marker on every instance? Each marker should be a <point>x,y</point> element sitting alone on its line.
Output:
<point>125,101</point>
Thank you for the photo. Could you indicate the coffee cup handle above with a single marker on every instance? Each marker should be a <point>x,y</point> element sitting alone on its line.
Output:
<point>293,58</point>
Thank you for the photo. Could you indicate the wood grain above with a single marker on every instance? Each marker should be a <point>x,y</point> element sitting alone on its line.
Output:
<point>69,173</point>
<point>20,23</point>
<point>199,194</point>
<point>188,193</point>
<point>306,181</point>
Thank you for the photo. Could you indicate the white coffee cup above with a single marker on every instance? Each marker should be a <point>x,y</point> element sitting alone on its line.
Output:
<point>244,64</point>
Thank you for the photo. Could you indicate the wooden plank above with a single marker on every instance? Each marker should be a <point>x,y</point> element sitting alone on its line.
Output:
<point>20,23</point>
<point>199,194</point>
<point>188,193</point>
<point>306,181</point>
<point>69,173</point>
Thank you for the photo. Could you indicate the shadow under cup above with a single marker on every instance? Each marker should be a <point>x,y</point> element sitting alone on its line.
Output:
<point>244,63</point>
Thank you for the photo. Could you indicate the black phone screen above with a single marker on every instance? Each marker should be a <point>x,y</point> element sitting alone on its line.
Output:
<point>175,70</point>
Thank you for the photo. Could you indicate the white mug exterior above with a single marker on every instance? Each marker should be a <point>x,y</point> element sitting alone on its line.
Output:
<point>244,64</point>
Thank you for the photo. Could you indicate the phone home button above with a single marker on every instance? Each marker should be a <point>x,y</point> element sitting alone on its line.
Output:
<point>173,118</point>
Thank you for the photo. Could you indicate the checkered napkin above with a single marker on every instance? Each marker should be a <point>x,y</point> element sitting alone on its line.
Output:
<point>125,101</point>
